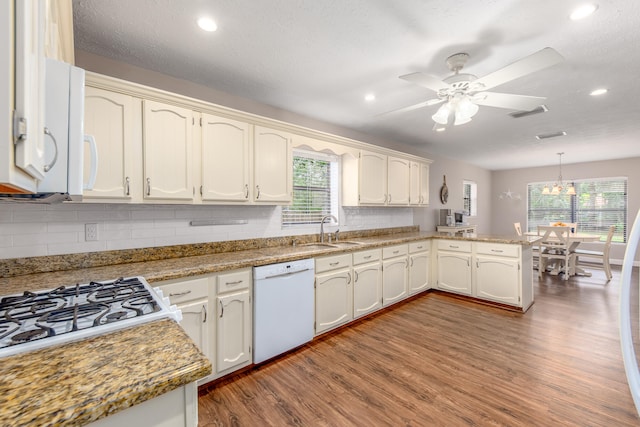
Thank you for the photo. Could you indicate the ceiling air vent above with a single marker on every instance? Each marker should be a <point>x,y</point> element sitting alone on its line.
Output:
<point>541,109</point>
<point>550,135</point>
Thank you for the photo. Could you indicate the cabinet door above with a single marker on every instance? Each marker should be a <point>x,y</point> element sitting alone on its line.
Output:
<point>454,272</point>
<point>498,279</point>
<point>398,181</point>
<point>418,272</point>
<point>109,118</point>
<point>394,280</point>
<point>29,85</point>
<point>367,289</point>
<point>225,159</point>
<point>414,183</point>
<point>273,166</point>
<point>334,299</point>
<point>233,336</point>
<point>168,150</point>
<point>424,184</point>
<point>372,178</point>
<point>195,324</point>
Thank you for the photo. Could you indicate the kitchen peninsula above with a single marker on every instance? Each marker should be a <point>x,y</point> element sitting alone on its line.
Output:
<point>177,359</point>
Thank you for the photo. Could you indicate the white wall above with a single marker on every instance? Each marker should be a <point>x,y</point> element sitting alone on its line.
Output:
<point>507,211</point>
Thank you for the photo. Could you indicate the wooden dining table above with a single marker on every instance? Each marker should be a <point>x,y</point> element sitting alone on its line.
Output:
<point>574,240</point>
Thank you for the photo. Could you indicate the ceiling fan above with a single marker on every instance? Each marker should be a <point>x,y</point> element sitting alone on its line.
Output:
<point>462,93</point>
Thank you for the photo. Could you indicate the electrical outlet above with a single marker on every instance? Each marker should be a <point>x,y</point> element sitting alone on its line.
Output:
<point>90,232</point>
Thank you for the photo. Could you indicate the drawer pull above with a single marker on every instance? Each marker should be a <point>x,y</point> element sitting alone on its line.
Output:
<point>367,257</point>
<point>454,247</point>
<point>497,250</point>
<point>419,247</point>
<point>396,252</point>
<point>179,294</point>
<point>237,282</point>
<point>334,263</point>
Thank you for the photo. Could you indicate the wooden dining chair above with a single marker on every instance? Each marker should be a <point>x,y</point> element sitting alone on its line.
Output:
<point>555,247</point>
<point>598,259</point>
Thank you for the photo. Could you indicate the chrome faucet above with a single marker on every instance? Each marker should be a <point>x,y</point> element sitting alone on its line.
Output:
<point>322,226</point>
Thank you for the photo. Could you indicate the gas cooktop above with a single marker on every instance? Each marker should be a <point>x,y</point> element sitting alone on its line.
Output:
<point>33,320</point>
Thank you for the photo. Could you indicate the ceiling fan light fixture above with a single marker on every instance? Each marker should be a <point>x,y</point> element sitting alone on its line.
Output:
<point>442,115</point>
<point>583,11</point>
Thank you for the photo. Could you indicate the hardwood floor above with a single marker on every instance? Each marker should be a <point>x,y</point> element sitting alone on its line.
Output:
<point>441,361</point>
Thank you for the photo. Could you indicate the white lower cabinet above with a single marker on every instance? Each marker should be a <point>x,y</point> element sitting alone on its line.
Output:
<point>394,274</point>
<point>233,319</point>
<point>216,314</point>
<point>177,408</point>
<point>333,292</point>
<point>367,282</point>
<point>419,267</point>
<point>498,272</point>
<point>454,266</point>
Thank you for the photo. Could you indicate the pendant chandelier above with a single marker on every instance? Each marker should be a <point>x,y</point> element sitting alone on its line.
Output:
<point>558,185</point>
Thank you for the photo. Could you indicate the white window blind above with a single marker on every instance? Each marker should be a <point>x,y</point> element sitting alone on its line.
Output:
<point>598,204</point>
<point>315,177</point>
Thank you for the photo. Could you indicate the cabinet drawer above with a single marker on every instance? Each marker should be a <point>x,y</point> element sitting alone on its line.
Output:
<point>419,246</point>
<point>186,290</point>
<point>454,245</point>
<point>394,251</point>
<point>233,281</point>
<point>366,256</point>
<point>498,249</point>
<point>332,262</point>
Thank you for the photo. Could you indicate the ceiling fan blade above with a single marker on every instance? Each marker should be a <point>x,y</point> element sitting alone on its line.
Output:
<point>426,81</point>
<point>537,61</point>
<point>414,107</point>
<point>507,100</point>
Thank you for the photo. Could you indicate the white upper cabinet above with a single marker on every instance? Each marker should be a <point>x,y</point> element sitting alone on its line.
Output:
<point>424,184</point>
<point>225,160</point>
<point>372,178</point>
<point>273,166</point>
<point>167,132</point>
<point>109,117</point>
<point>419,184</point>
<point>398,181</point>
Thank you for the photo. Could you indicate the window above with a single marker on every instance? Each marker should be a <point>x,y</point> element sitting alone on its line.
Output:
<point>598,204</point>
<point>470,193</point>
<point>315,183</point>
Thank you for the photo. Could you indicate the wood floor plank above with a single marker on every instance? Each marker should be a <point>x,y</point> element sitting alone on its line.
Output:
<point>441,361</point>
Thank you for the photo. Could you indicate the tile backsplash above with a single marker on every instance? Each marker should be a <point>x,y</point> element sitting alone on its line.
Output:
<point>36,230</point>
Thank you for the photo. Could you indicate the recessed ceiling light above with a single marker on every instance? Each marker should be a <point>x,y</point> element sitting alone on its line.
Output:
<point>599,92</point>
<point>583,11</point>
<point>369,97</point>
<point>207,24</point>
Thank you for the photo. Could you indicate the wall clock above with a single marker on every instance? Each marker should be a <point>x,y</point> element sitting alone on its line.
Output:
<point>444,191</point>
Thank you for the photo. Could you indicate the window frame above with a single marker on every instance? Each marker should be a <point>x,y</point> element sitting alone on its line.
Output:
<point>332,190</point>
<point>470,197</point>
<point>569,208</point>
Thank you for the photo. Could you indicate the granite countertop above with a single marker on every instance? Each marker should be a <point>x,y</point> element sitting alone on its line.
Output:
<point>79,382</point>
<point>175,268</point>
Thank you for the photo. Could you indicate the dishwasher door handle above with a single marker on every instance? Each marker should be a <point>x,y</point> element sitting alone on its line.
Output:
<point>286,274</point>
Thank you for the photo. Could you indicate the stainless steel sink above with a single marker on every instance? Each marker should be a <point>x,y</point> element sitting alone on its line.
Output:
<point>317,245</point>
<point>348,243</point>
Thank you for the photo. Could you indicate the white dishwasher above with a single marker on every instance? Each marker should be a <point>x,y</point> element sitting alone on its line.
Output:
<point>283,307</point>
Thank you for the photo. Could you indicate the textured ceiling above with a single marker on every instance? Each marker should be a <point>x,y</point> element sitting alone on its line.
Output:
<point>319,59</point>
